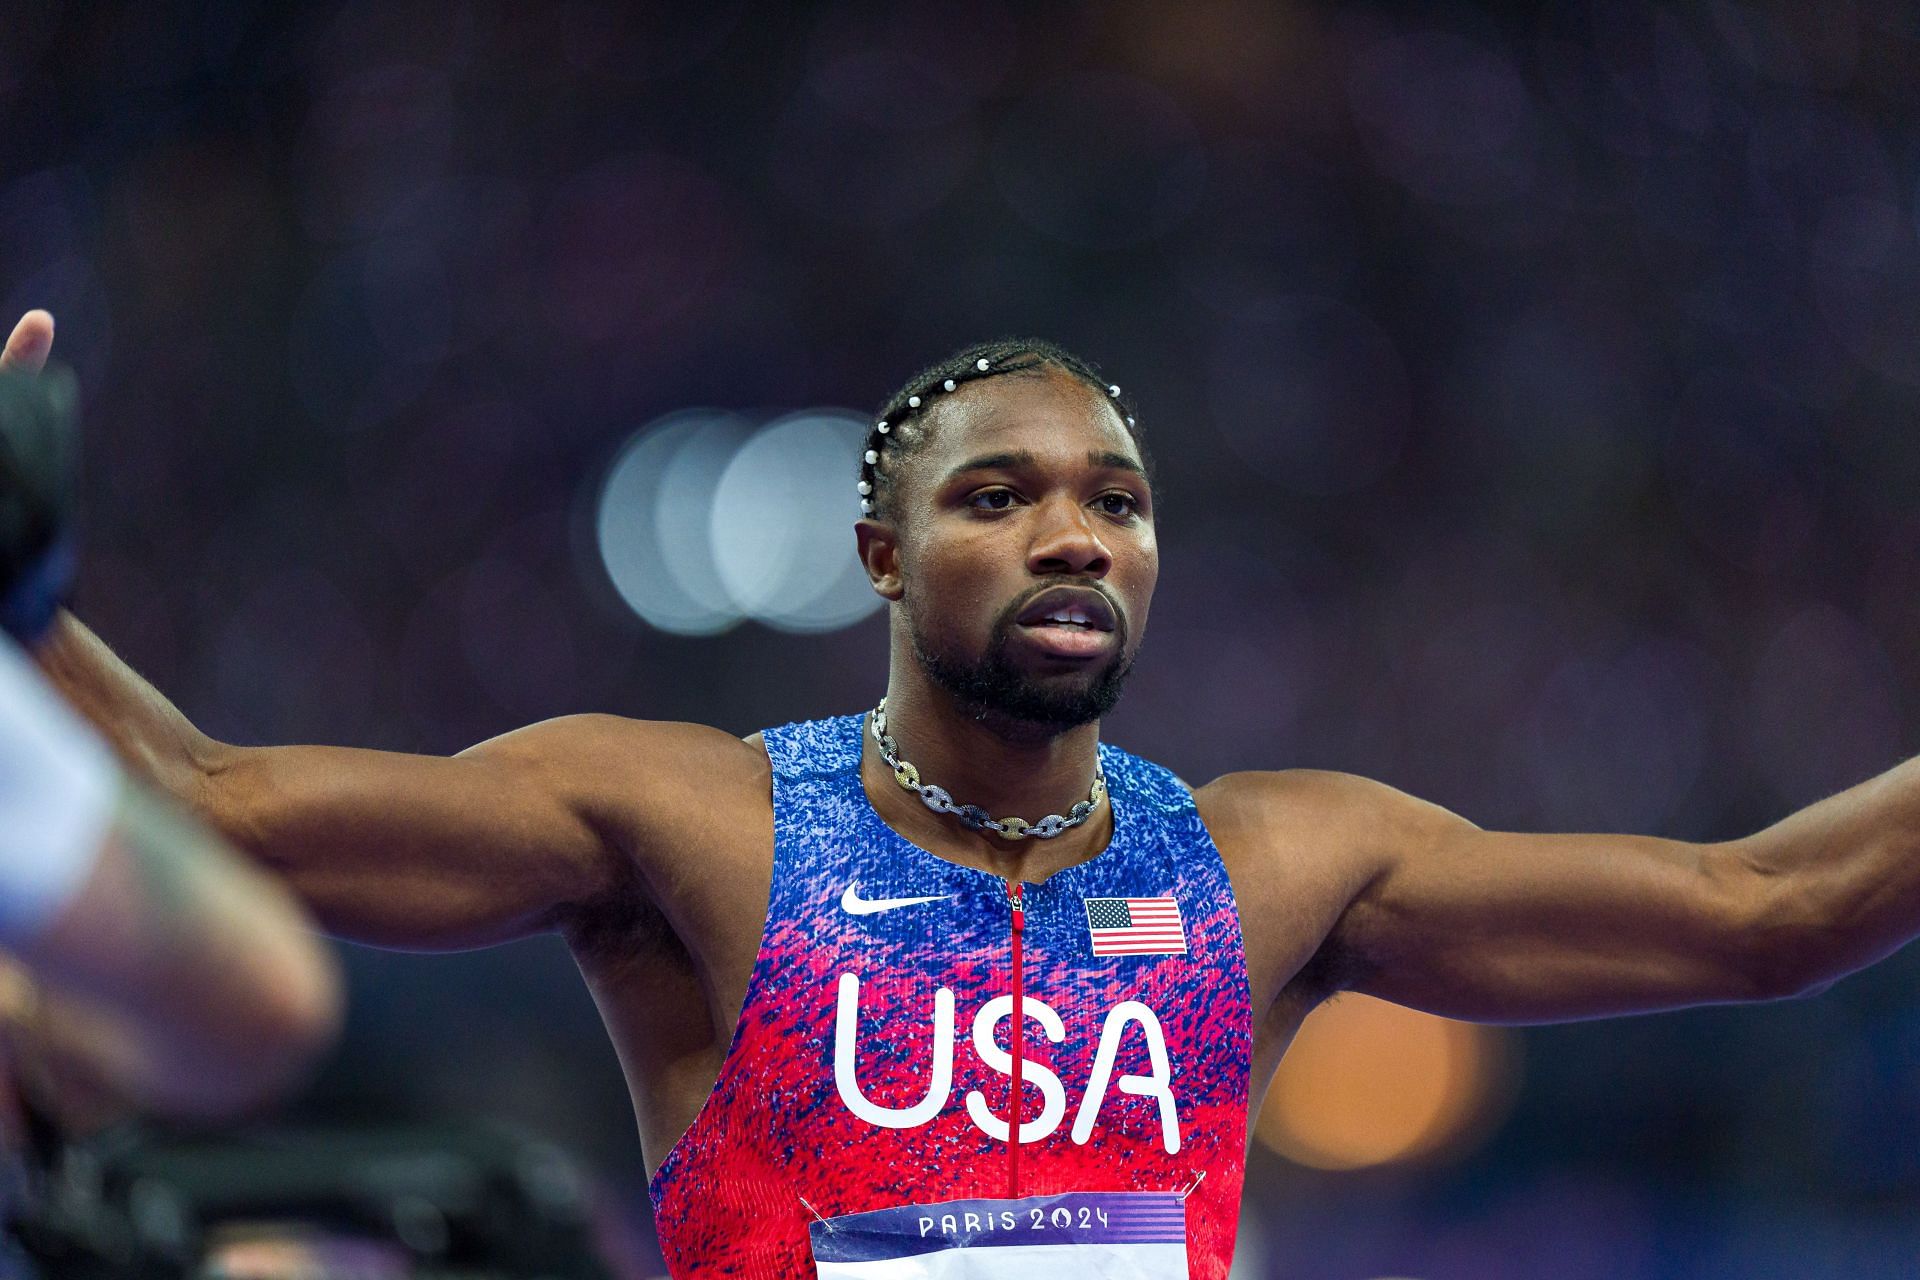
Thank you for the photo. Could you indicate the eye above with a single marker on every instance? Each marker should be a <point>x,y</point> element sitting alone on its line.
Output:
<point>1117,505</point>
<point>991,499</point>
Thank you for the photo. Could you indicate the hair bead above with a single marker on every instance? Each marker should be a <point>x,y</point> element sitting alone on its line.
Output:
<point>923,388</point>
<point>864,488</point>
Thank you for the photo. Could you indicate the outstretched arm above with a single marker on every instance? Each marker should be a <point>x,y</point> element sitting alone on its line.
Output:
<point>1504,927</point>
<point>530,831</point>
<point>521,834</point>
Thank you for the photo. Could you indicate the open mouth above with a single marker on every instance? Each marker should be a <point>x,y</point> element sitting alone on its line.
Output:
<point>1069,607</point>
<point>1070,614</point>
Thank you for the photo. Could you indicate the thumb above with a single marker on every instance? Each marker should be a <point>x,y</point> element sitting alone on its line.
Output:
<point>31,341</point>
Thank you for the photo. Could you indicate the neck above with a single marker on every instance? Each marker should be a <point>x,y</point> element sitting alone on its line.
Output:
<point>1009,768</point>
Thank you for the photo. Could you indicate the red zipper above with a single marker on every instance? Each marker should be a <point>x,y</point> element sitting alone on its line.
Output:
<point>1016,898</point>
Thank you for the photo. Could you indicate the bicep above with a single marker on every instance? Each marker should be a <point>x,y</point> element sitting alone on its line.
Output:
<point>1506,927</point>
<point>416,851</point>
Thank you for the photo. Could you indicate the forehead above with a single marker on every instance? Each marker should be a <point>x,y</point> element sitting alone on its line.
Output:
<point>1045,412</point>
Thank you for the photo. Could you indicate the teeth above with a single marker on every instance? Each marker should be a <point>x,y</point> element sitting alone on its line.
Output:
<point>1071,616</point>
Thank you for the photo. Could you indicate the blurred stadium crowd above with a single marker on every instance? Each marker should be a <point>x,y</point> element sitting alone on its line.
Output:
<point>1533,390</point>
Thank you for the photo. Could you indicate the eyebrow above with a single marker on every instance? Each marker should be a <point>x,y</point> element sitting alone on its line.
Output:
<point>1025,458</point>
<point>1115,462</point>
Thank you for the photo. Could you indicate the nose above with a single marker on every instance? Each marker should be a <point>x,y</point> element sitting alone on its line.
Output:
<point>1065,541</point>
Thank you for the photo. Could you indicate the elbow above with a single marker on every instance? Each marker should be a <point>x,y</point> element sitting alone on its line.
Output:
<point>211,780</point>
<point>1779,945</point>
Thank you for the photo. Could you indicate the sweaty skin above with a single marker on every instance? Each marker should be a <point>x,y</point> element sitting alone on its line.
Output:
<point>648,845</point>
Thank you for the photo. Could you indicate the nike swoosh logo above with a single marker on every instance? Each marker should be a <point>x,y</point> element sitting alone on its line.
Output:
<point>854,905</point>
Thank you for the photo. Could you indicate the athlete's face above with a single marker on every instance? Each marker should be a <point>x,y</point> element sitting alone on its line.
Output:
<point>1022,553</point>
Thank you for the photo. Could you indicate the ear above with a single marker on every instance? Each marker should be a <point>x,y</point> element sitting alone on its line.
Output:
<point>880,555</point>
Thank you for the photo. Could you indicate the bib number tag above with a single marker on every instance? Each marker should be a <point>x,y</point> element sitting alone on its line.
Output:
<point>1111,1235</point>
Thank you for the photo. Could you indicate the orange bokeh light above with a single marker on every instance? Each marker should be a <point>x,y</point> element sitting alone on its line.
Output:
<point>1368,1083</point>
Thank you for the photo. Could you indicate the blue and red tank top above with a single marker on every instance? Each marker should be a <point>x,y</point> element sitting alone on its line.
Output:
<point>874,1061</point>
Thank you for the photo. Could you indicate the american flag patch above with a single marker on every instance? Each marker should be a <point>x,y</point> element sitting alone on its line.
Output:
<point>1136,927</point>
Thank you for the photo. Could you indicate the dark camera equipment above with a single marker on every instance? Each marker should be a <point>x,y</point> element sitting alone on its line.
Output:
<point>39,451</point>
<point>429,1203</point>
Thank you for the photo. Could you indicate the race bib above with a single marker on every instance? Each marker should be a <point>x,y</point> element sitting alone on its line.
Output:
<point>1111,1235</point>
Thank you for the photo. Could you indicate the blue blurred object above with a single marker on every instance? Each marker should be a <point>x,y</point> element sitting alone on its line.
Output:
<point>39,447</point>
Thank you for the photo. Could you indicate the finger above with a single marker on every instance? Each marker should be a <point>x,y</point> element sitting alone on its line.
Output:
<point>31,341</point>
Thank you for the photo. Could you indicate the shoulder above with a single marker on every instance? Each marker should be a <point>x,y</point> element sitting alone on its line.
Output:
<point>635,759</point>
<point>1352,825</point>
<point>1301,847</point>
<point>598,734</point>
<point>685,809</point>
<point>1315,800</point>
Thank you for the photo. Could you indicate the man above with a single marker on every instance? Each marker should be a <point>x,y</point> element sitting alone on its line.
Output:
<point>144,965</point>
<point>809,946</point>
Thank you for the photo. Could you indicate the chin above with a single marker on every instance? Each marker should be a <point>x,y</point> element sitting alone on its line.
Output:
<point>992,689</point>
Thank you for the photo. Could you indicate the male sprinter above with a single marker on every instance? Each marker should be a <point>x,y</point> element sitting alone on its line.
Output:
<point>871,1005</point>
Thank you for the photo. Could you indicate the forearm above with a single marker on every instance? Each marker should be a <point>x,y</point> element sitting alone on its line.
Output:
<point>1838,882</point>
<point>304,813</point>
<point>147,731</point>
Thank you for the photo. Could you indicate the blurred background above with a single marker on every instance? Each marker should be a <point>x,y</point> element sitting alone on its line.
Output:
<point>1533,389</point>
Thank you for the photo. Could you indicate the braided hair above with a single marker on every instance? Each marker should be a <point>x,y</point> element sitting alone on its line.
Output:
<point>900,428</point>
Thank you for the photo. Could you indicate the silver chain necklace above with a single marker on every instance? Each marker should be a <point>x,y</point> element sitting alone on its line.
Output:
<point>973,815</point>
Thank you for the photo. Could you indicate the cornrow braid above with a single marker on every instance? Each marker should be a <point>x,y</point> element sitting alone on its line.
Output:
<point>899,429</point>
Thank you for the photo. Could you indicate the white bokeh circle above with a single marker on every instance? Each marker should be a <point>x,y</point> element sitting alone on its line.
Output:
<point>651,520</point>
<point>782,524</point>
<point>703,522</point>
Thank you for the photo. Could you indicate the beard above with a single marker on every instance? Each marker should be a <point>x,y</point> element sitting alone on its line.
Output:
<point>991,687</point>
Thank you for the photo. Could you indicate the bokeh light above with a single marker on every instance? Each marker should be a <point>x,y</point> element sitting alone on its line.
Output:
<point>651,523</point>
<point>703,523</point>
<point>1370,1083</point>
<point>782,525</point>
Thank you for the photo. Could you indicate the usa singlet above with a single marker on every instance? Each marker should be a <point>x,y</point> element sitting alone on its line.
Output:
<point>874,1062</point>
